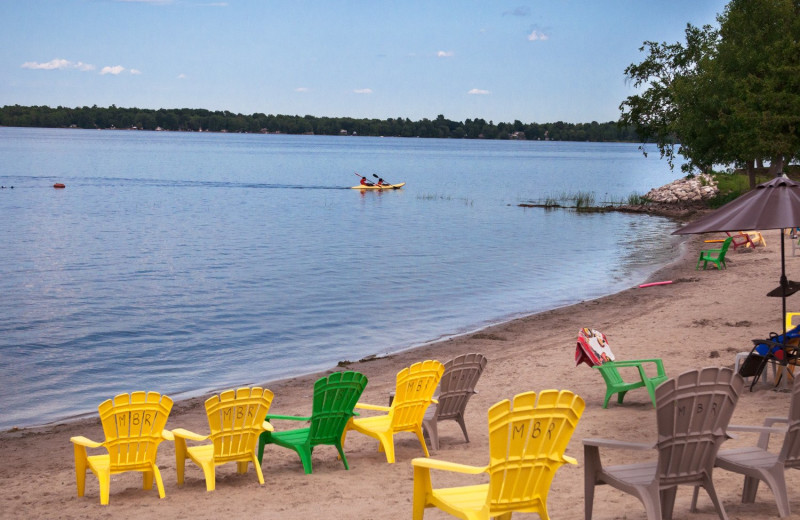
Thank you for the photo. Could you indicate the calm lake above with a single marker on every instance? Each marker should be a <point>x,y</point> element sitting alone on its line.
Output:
<point>186,262</point>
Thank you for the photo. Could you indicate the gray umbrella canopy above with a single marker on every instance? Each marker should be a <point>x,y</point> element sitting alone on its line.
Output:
<point>772,205</point>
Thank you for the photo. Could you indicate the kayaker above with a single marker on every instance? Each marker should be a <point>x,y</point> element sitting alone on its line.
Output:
<point>365,182</point>
<point>380,182</point>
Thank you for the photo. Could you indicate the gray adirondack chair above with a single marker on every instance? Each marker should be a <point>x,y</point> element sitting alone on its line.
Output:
<point>692,414</point>
<point>757,464</point>
<point>456,387</point>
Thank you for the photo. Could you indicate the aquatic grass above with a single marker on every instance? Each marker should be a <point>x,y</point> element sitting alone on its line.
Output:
<point>433,196</point>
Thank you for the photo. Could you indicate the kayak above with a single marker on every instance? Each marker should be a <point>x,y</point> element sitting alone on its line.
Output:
<point>376,187</point>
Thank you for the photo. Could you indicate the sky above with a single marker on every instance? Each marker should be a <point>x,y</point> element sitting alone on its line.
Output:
<point>536,61</point>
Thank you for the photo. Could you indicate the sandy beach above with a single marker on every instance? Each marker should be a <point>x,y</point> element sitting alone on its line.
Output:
<point>702,319</point>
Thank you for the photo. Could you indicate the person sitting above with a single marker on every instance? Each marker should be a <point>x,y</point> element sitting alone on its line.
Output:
<point>381,182</point>
<point>365,182</point>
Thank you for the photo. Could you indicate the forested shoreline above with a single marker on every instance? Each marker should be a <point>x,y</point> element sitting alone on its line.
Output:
<point>197,120</point>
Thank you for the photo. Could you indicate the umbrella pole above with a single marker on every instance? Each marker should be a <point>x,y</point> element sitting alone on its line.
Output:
<point>784,287</point>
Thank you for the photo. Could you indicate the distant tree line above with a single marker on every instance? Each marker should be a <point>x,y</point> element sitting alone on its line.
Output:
<point>194,120</point>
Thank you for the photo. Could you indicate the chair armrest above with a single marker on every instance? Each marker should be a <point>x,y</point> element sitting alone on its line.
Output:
<point>610,443</point>
<point>769,421</point>
<point>267,426</point>
<point>167,435</point>
<point>435,401</point>
<point>424,462</point>
<point>755,429</point>
<point>83,441</point>
<point>186,434</point>
<point>379,408</point>
<point>288,417</point>
<point>569,460</point>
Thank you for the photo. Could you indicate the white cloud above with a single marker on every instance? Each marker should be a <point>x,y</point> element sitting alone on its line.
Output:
<point>58,64</point>
<point>181,76</point>
<point>478,91</point>
<point>302,89</point>
<point>116,69</point>
<point>135,71</point>
<point>537,36</point>
<point>363,91</point>
<point>445,54</point>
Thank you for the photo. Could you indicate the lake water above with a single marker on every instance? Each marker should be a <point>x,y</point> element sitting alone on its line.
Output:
<point>185,262</point>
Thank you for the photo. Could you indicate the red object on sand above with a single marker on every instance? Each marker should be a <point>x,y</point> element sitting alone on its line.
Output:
<point>655,283</point>
<point>58,185</point>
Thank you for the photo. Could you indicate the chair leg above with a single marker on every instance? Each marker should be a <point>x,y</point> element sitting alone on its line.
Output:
<point>159,482</point>
<point>386,444</point>
<point>80,469</point>
<point>180,457</point>
<point>341,455</point>
<point>241,467</point>
<point>422,488</point>
<point>421,438</point>
<point>592,465</point>
<point>460,420</point>
<point>258,469</point>
<point>668,502</point>
<point>749,490</point>
<point>305,457</point>
<point>147,479</point>
<point>104,477</point>
<point>432,429</point>
<point>210,474</point>
<point>712,493</point>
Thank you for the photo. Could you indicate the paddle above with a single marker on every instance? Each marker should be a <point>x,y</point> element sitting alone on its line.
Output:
<point>361,176</point>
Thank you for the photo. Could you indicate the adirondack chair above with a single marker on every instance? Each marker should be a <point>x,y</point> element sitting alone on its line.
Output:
<point>594,350</point>
<point>693,411</point>
<point>236,419</point>
<point>413,395</point>
<point>526,447</point>
<point>458,382</point>
<point>334,399</point>
<point>757,463</point>
<point>715,256</point>
<point>133,425</point>
<point>741,239</point>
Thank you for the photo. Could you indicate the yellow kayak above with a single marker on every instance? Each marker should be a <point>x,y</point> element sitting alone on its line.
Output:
<point>376,187</point>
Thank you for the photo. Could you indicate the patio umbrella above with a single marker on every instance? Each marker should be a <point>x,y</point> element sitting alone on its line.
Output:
<point>772,205</point>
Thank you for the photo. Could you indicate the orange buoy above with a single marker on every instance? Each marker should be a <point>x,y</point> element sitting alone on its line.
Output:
<point>58,185</point>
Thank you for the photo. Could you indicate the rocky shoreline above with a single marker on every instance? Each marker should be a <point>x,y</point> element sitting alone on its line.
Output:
<point>680,199</point>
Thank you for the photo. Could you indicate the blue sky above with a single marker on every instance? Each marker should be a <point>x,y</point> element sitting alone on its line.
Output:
<point>535,61</point>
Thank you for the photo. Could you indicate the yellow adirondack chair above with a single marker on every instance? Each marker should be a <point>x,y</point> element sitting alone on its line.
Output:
<point>134,426</point>
<point>413,394</point>
<point>236,419</point>
<point>526,447</point>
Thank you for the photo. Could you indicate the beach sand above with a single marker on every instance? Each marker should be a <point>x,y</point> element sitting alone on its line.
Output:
<point>703,319</point>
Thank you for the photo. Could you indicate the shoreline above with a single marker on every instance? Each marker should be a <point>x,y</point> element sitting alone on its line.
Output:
<point>201,395</point>
<point>702,319</point>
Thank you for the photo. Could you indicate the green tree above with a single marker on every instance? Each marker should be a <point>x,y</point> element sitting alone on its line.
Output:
<point>726,96</point>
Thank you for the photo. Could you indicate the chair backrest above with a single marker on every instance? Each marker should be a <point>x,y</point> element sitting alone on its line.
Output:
<point>413,393</point>
<point>725,246</point>
<point>526,447</point>
<point>132,424</point>
<point>790,452</point>
<point>458,382</point>
<point>740,239</point>
<point>335,397</point>
<point>235,418</point>
<point>593,348</point>
<point>693,411</point>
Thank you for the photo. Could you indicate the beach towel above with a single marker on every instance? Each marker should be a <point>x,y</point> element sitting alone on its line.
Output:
<point>593,348</point>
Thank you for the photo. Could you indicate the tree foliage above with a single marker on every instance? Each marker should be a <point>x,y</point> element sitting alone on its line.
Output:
<point>727,96</point>
<point>193,120</point>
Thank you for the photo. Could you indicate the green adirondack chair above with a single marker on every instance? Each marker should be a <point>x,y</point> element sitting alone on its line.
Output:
<point>335,397</point>
<point>615,384</point>
<point>715,256</point>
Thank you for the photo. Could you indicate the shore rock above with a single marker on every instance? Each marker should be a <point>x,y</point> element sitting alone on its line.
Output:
<point>696,189</point>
